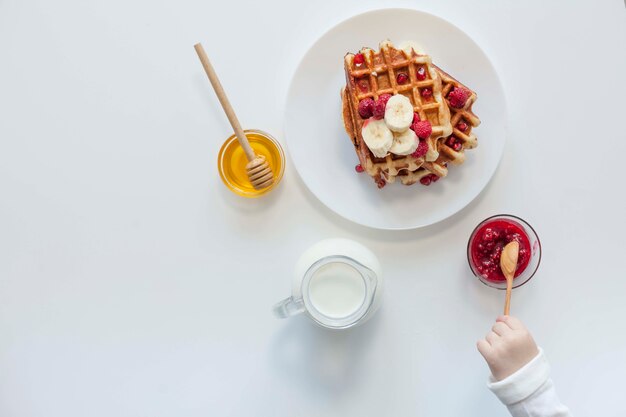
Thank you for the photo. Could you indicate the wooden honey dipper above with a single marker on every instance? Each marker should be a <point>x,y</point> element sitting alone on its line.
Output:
<point>258,170</point>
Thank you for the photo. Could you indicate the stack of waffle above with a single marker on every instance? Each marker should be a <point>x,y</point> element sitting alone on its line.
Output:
<point>392,71</point>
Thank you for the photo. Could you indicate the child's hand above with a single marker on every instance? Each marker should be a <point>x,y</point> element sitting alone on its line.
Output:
<point>507,347</point>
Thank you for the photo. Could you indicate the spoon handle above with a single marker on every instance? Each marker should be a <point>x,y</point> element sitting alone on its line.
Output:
<point>507,300</point>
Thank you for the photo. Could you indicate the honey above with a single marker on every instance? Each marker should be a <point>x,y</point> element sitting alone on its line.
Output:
<point>231,162</point>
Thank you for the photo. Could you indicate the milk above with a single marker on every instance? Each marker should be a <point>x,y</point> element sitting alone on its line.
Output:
<point>337,290</point>
<point>337,282</point>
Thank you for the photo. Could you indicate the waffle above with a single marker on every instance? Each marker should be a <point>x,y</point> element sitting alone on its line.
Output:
<point>465,114</point>
<point>377,76</point>
<point>467,139</point>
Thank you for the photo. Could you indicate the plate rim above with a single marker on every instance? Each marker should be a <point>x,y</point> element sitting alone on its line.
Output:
<point>418,225</point>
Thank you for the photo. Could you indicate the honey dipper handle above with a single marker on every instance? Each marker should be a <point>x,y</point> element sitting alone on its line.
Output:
<point>221,95</point>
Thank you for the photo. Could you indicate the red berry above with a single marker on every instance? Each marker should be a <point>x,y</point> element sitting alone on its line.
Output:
<point>359,168</point>
<point>458,97</point>
<point>422,129</point>
<point>421,74</point>
<point>422,149</point>
<point>427,92</point>
<point>384,98</point>
<point>462,126</point>
<point>434,177</point>
<point>363,86</point>
<point>454,143</point>
<point>379,107</point>
<point>425,180</point>
<point>380,183</point>
<point>416,117</point>
<point>359,59</point>
<point>366,108</point>
<point>402,78</point>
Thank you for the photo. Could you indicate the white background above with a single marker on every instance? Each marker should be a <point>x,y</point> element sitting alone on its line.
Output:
<point>133,284</point>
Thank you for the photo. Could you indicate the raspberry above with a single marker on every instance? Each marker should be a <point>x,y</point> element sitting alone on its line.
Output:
<point>416,117</point>
<point>422,129</point>
<point>385,98</point>
<point>462,126</point>
<point>359,168</point>
<point>434,177</point>
<point>379,109</point>
<point>421,74</point>
<point>366,108</point>
<point>425,180</point>
<point>422,149</point>
<point>380,183</point>
<point>427,92</point>
<point>402,78</point>
<point>359,59</point>
<point>363,86</point>
<point>458,97</point>
<point>380,105</point>
<point>454,143</point>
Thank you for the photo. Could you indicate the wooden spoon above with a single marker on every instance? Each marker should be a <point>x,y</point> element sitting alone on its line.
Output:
<point>508,265</point>
<point>258,170</point>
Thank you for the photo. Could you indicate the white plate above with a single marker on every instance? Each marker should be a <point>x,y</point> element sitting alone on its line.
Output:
<point>323,154</point>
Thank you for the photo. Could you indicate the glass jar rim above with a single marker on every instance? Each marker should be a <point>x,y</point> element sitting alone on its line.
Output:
<point>221,165</point>
<point>369,280</point>
<point>524,224</point>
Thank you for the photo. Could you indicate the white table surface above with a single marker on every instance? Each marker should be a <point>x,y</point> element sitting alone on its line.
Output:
<point>132,283</point>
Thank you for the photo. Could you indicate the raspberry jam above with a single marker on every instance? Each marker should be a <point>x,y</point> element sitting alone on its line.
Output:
<point>487,244</point>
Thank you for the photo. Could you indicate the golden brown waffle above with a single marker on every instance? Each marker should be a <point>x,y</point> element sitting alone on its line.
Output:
<point>408,169</point>
<point>377,75</point>
<point>463,117</point>
<point>466,138</point>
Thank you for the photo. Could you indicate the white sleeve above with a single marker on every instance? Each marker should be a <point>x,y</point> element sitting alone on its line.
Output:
<point>529,392</point>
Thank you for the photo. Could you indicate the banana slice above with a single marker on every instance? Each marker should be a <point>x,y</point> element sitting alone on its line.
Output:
<point>377,137</point>
<point>399,113</point>
<point>404,143</point>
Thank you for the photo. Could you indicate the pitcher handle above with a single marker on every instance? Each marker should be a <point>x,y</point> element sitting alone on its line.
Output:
<point>289,307</point>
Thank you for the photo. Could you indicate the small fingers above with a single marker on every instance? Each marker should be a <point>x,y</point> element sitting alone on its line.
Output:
<point>491,338</point>
<point>513,322</point>
<point>501,328</point>
<point>484,348</point>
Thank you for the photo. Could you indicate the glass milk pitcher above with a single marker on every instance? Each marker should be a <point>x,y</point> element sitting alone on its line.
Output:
<point>337,283</point>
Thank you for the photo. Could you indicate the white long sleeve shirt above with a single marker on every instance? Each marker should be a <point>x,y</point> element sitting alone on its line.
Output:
<point>529,392</point>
